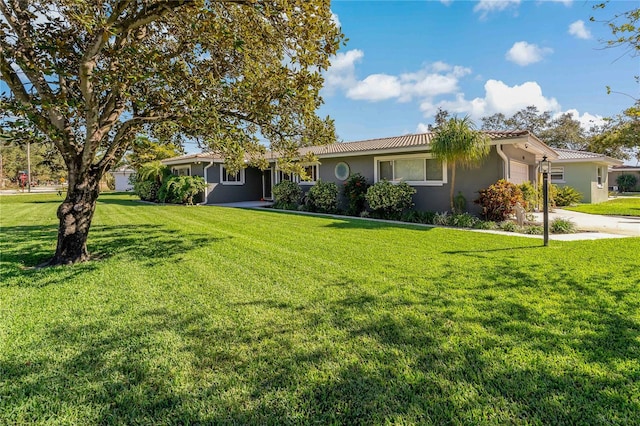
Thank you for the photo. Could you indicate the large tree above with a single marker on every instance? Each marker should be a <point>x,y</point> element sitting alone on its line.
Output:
<point>458,143</point>
<point>90,75</point>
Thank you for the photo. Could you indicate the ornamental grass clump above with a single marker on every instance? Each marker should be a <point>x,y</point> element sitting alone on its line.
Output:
<point>562,226</point>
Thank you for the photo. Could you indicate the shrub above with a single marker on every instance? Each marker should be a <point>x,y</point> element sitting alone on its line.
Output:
<point>286,195</point>
<point>355,191</point>
<point>567,196</point>
<point>626,182</point>
<point>485,224</point>
<point>562,226</point>
<point>533,229</point>
<point>181,189</point>
<point>529,194</point>
<point>388,200</point>
<point>463,220</point>
<point>459,203</point>
<point>323,197</point>
<point>441,219</point>
<point>508,226</point>
<point>147,190</point>
<point>499,200</point>
<point>415,216</point>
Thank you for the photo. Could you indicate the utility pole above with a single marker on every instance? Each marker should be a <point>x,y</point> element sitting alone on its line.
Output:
<point>29,166</point>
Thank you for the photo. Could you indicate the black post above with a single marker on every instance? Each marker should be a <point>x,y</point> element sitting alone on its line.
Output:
<point>545,205</point>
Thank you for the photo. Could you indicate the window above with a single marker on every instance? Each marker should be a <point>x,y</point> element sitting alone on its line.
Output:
<point>228,178</point>
<point>181,170</point>
<point>282,176</point>
<point>557,174</point>
<point>420,169</point>
<point>311,171</point>
<point>599,175</point>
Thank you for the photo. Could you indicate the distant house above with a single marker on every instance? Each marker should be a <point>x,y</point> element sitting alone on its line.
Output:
<point>121,176</point>
<point>514,155</point>
<point>587,172</point>
<point>616,171</point>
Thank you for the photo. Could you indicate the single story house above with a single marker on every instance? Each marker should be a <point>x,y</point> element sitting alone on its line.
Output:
<point>616,171</point>
<point>121,176</point>
<point>514,155</point>
<point>587,172</point>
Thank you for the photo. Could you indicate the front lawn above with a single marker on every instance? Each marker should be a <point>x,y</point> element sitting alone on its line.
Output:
<point>205,315</point>
<point>615,207</point>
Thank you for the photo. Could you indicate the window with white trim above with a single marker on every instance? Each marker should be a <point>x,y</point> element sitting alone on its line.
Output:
<point>312,173</point>
<point>416,169</point>
<point>557,174</point>
<point>599,176</point>
<point>282,176</point>
<point>181,170</point>
<point>311,170</point>
<point>230,178</point>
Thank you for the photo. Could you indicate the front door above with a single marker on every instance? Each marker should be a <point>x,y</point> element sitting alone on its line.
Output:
<point>267,183</point>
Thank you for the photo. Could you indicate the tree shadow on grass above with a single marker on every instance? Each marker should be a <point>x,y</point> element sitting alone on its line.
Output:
<point>24,247</point>
<point>360,357</point>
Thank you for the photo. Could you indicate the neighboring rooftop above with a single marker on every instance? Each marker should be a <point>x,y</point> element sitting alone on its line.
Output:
<point>573,155</point>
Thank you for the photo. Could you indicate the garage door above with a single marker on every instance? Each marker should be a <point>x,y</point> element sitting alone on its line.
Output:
<point>519,172</point>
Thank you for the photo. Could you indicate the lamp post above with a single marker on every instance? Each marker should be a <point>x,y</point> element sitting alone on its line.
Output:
<point>545,168</point>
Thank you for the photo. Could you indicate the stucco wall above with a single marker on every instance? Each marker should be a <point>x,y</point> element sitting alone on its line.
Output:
<point>583,178</point>
<point>221,193</point>
<point>427,198</point>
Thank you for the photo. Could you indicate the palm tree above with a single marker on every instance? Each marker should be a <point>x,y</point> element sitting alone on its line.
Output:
<point>457,141</point>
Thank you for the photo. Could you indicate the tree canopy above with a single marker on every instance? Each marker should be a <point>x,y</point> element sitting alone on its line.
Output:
<point>457,142</point>
<point>231,74</point>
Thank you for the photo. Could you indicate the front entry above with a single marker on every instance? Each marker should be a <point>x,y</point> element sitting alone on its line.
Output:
<point>267,183</point>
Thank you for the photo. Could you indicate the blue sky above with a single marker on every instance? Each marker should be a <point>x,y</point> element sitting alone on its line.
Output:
<point>404,59</point>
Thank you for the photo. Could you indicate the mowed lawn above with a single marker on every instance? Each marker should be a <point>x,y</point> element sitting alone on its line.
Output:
<point>617,207</point>
<point>205,315</point>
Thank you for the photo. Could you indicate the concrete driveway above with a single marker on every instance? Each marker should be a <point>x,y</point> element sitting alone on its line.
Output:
<point>621,225</point>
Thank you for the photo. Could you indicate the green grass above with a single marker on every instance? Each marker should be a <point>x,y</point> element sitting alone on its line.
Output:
<point>615,207</point>
<point>204,315</point>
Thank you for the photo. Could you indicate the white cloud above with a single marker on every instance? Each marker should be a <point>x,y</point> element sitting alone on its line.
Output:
<point>498,98</point>
<point>586,120</point>
<point>565,2</point>
<point>578,30</point>
<point>433,80</point>
<point>523,53</point>
<point>335,19</point>
<point>376,87</point>
<point>446,2</point>
<point>487,6</point>
<point>422,128</point>
<point>342,72</point>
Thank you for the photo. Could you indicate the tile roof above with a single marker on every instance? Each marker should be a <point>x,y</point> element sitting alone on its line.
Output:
<point>393,142</point>
<point>570,154</point>
<point>380,144</point>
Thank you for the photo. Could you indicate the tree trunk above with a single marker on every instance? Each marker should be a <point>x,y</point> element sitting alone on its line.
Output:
<point>75,215</point>
<point>453,184</point>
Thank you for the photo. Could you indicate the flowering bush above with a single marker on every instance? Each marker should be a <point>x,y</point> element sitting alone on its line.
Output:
<point>499,200</point>
<point>323,197</point>
<point>355,191</point>
<point>388,200</point>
